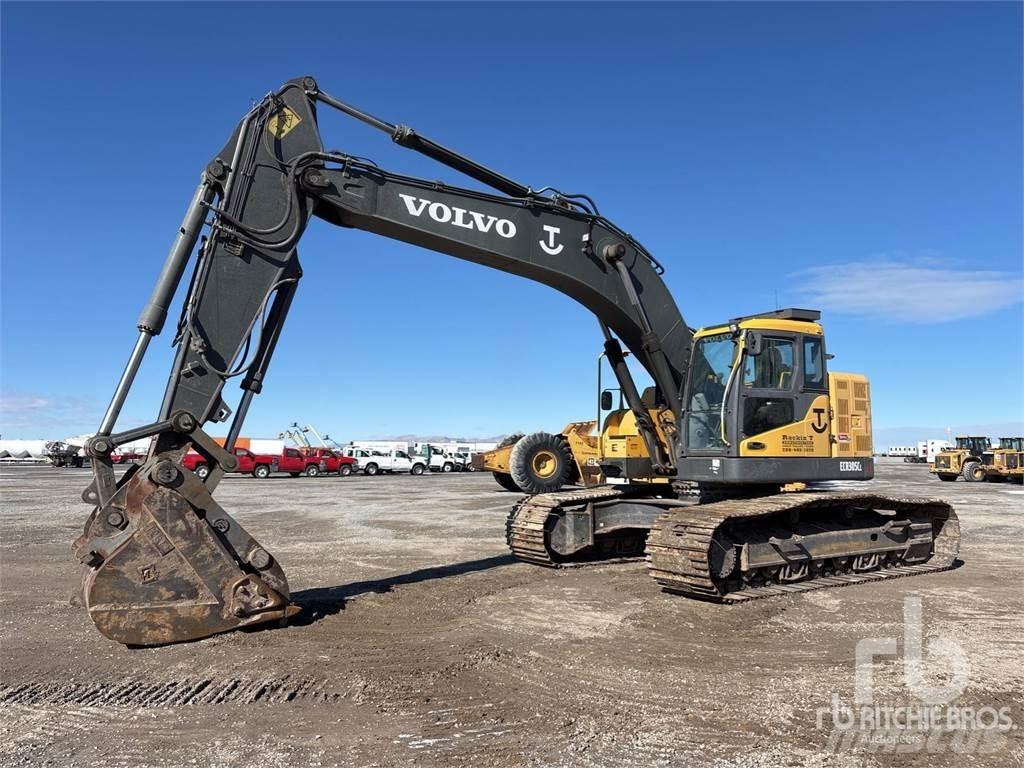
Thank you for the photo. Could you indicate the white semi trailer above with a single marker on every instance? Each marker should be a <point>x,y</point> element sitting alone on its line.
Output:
<point>902,451</point>
<point>923,453</point>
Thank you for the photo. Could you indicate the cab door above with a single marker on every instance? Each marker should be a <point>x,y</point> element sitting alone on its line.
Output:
<point>245,461</point>
<point>783,409</point>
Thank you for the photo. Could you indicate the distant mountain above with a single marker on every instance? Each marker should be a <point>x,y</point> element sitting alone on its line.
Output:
<point>887,436</point>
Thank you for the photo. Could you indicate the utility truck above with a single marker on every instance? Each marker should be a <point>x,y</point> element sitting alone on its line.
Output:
<point>62,454</point>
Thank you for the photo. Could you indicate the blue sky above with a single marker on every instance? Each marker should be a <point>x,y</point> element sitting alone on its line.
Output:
<point>861,158</point>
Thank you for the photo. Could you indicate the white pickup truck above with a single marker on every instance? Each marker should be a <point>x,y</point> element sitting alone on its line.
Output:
<point>442,461</point>
<point>373,462</point>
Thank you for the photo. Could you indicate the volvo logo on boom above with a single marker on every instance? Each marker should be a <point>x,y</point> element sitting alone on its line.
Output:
<point>458,217</point>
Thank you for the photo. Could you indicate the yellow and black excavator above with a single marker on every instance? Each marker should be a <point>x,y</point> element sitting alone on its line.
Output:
<point>735,411</point>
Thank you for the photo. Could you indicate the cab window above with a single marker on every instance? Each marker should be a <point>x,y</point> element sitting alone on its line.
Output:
<point>761,414</point>
<point>814,368</point>
<point>401,455</point>
<point>773,368</point>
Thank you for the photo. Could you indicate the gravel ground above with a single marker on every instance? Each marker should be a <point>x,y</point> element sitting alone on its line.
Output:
<point>422,643</point>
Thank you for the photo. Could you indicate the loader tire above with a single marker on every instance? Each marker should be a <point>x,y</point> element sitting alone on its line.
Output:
<point>505,481</point>
<point>974,472</point>
<point>541,463</point>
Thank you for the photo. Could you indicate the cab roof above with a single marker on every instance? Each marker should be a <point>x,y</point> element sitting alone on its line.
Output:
<point>790,319</point>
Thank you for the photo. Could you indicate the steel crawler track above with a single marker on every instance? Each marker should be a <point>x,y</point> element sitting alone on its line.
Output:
<point>678,547</point>
<point>679,544</point>
<point>525,528</point>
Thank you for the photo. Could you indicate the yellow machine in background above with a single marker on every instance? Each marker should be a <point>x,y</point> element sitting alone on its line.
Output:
<point>965,460</point>
<point>1005,462</point>
<point>541,462</point>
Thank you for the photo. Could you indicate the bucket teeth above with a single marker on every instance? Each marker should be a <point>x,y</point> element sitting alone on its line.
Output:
<point>164,574</point>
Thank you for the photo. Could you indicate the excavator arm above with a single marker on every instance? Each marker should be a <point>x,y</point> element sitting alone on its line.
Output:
<point>163,562</point>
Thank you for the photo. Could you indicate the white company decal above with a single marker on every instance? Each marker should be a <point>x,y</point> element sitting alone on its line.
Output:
<point>551,248</point>
<point>458,217</point>
<point>850,466</point>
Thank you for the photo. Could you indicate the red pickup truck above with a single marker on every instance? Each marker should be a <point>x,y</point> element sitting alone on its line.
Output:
<point>295,463</point>
<point>313,462</point>
<point>249,463</point>
<point>126,457</point>
<point>332,462</point>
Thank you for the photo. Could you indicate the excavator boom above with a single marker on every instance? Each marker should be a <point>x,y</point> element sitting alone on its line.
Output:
<point>163,562</point>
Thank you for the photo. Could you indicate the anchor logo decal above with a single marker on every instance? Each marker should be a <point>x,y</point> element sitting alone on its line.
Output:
<point>819,424</point>
<point>549,247</point>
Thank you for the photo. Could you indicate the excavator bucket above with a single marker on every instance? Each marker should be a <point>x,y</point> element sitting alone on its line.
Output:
<point>163,563</point>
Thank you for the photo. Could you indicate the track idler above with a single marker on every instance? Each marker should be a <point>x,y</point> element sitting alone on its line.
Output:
<point>163,563</point>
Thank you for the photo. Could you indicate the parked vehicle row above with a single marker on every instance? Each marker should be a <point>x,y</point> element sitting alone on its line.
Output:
<point>313,462</point>
<point>262,458</point>
<point>292,461</point>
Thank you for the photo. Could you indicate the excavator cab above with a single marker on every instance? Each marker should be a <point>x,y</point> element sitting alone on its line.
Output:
<point>761,407</point>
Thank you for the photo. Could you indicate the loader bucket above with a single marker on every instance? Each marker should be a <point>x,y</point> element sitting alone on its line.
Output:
<point>165,564</point>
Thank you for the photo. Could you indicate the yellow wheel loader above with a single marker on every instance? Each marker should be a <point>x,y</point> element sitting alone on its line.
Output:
<point>965,460</point>
<point>541,462</point>
<point>1005,462</point>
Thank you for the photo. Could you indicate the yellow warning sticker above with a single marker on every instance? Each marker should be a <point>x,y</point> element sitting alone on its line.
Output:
<point>282,122</point>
